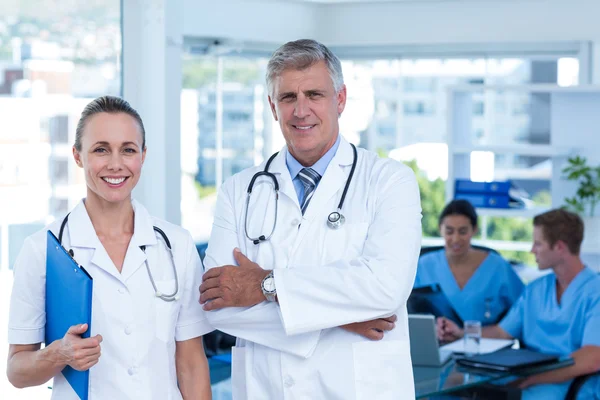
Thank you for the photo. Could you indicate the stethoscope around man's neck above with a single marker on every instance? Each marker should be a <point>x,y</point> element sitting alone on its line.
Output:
<point>335,219</point>
<point>166,297</point>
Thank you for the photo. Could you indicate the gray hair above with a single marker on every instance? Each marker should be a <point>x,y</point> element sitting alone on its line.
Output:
<point>111,105</point>
<point>302,54</point>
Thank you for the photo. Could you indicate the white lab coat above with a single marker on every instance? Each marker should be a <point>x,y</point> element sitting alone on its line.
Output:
<point>138,329</point>
<point>324,278</point>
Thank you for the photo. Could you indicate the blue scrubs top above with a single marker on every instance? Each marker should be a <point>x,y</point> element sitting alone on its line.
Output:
<point>487,295</point>
<point>544,325</point>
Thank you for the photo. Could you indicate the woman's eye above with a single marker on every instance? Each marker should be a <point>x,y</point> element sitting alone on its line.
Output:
<point>131,151</point>
<point>100,150</point>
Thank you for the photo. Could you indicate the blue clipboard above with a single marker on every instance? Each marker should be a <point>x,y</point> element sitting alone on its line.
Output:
<point>68,303</point>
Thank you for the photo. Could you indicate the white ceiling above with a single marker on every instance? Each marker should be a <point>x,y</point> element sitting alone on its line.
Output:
<point>354,1</point>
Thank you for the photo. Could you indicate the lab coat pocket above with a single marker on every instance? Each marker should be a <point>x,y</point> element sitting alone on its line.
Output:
<point>383,370</point>
<point>345,243</point>
<point>238,373</point>
<point>166,312</point>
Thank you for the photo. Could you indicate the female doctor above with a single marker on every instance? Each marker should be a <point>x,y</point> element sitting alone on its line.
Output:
<point>480,285</point>
<point>147,326</point>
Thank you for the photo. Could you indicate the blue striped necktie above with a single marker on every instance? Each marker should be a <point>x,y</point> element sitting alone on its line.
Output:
<point>309,178</point>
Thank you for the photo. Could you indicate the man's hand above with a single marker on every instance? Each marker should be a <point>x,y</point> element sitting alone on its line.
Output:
<point>447,330</point>
<point>374,329</point>
<point>232,286</point>
<point>80,354</point>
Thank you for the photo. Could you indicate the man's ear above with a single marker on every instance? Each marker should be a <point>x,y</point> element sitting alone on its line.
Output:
<point>341,100</point>
<point>272,105</point>
<point>143,155</point>
<point>77,157</point>
<point>561,246</point>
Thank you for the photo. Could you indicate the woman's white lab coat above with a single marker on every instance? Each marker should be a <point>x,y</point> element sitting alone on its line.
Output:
<point>139,330</point>
<point>324,278</point>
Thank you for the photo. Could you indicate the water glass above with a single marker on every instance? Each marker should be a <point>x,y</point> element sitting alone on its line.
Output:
<point>472,337</point>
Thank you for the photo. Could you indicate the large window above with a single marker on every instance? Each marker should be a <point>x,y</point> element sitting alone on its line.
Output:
<point>395,107</point>
<point>55,56</point>
<point>226,127</point>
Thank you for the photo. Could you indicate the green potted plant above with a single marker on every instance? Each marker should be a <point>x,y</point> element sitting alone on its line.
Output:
<point>586,201</point>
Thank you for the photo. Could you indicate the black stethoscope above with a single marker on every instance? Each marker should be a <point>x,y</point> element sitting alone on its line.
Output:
<point>166,297</point>
<point>334,220</point>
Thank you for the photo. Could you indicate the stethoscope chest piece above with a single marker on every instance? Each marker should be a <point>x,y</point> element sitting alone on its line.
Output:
<point>335,220</point>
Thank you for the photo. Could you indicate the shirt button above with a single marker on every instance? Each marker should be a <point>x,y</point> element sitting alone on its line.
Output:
<point>288,381</point>
<point>295,222</point>
<point>131,371</point>
<point>128,330</point>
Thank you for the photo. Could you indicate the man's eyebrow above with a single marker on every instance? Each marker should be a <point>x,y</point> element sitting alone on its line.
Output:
<point>314,91</point>
<point>286,94</point>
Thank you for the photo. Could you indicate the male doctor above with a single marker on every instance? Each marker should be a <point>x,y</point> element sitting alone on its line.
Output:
<point>558,313</point>
<point>310,303</point>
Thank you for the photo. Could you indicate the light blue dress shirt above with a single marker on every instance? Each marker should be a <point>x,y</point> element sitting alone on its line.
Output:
<point>320,166</point>
<point>487,295</point>
<point>545,325</point>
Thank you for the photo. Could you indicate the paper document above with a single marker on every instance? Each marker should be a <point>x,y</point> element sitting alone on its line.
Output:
<point>485,346</point>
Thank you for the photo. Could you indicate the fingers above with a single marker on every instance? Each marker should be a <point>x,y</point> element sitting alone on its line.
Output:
<point>392,318</point>
<point>85,363</point>
<point>77,329</point>
<point>210,294</point>
<point>84,354</point>
<point>212,273</point>
<point>209,284</point>
<point>215,304</point>
<point>373,334</point>
<point>240,258</point>
<point>383,325</point>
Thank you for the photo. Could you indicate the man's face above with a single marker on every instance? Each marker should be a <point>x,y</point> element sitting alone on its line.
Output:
<point>307,108</point>
<point>545,256</point>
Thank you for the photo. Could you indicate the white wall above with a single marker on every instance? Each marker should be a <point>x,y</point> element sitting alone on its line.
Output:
<point>250,20</point>
<point>401,23</point>
<point>463,21</point>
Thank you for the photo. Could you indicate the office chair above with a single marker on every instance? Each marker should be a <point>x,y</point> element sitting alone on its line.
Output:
<point>577,384</point>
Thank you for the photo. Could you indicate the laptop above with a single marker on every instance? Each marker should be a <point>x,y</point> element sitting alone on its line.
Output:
<point>430,299</point>
<point>424,347</point>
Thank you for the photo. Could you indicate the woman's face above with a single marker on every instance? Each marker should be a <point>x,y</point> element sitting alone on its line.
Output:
<point>111,156</point>
<point>457,232</point>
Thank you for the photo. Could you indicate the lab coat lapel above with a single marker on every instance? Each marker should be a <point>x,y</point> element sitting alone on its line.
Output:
<point>143,235</point>
<point>332,182</point>
<point>280,170</point>
<point>83,235</point>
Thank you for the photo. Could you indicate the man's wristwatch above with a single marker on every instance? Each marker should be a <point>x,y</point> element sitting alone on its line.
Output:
<point>268,287</point>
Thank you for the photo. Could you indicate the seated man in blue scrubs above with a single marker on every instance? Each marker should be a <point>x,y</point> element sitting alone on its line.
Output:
<point>558,313</point>
<point>480,285</point>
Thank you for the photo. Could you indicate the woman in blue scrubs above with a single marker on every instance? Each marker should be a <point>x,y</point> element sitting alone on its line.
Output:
<point>480,285</point>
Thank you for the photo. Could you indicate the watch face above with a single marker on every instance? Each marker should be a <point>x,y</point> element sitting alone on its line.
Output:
<point>269,285</point>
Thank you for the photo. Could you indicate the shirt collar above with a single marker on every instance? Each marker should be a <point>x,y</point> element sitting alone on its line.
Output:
<point>82,232</point>
<point>320,166</point>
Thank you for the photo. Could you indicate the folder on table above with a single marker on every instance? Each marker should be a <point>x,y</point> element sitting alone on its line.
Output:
<point>68,303</point>
<point>511,360</point>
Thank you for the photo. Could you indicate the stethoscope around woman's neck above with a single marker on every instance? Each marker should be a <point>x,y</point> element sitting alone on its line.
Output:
<point>335,219</point>
<point>166,297</point>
